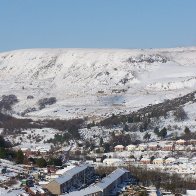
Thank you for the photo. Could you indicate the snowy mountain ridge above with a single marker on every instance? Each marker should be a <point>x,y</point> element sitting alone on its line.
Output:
<point>95,82</point>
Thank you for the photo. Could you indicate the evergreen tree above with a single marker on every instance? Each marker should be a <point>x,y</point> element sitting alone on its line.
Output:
<point>2,153</point>
<point>163,133</point>
<point>156,131</point>
<point>19,157</point>
<point>106,147</point>
<point>180,114</point>
<point>101,141</point>
<point>2,142</point>
<point>147,136</point>
<point>152,159</point>
<point>31,160</point>
<point>41,162</point>
<point>126,128</point>
<point>55,161</point>
<point>187,131</point>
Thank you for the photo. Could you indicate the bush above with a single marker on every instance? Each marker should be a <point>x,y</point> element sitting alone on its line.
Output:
<point>41,162</point>
<point>163,133</point>
<point>46,101</point>
<point>28,110</point>
<point>30,97</point>
<point>180,114</point>
<point>4,143</point>
<point>147,136</point>
<point>123,139</point>
<point>19,157</point>
<point>7,102</point>
<point>2,153</point>
<point>55,161</point>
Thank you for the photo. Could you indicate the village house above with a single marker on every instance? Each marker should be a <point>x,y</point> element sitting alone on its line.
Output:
<point>74,177</point>
<point>145,161</point>
<point>35,191</point>
<point>191,148</point>
<point>192,142</point>
<point>98,150</point>
<point>38,152</point>
<point>130,147</point>
<point>142,147</point>
<point>119,148</point>
<point>77,151</point>
<point>158,161</point>
<point>179,147</point>
<point>35,151</point>
<point>190,192</point>
<point>98,159</point>
<point>168,147</point>
<point>113,161</point>
<point>153,147</point>
<point>180,142</point>
<point>193,160</point>
<point>129,160</point>
<point>170,160</point>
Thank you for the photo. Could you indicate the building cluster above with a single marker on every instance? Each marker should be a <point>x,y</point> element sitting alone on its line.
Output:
<point>35,151</point>
<point>79,178</point>
<point>179,145</point>
<point>168,161</point>
<point>169,156</point>
<point>110,185</point>
<point>75,179</point>
<point>11,175</point>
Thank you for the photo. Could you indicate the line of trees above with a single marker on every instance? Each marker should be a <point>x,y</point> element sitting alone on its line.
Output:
<point>6,152</point>
<point>144,115</point>
<point>161,133</point>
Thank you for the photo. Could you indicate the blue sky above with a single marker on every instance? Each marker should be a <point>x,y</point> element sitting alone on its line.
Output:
<point>97,23</point>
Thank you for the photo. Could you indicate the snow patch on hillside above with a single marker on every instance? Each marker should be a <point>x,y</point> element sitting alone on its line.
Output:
<point>95,82</point>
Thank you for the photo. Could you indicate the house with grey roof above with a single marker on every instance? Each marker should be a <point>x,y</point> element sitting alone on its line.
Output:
<point>74,177</point>
<point>107,186</point>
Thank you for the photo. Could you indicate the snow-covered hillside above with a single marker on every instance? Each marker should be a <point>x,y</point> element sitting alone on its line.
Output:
<point>95,82</point>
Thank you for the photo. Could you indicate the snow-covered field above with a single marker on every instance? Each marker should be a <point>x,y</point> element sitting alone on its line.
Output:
<point>96,82</point>
<point>33,138</point>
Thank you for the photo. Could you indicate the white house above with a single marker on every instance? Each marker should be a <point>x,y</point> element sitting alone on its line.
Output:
<point>153,147</point>
<point>168,147</point>
<point>158,161</point>
<point>119,148</point>
<point>180,142</point>
<point>145,161</point>
<point>131,147</point>
<point>170,160</point>
<point>113,161</point>
<point>180,148</point>
<point>183,160</point>
<point>193,159</point>
<point>190,192</point>
<point>142,147</point>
